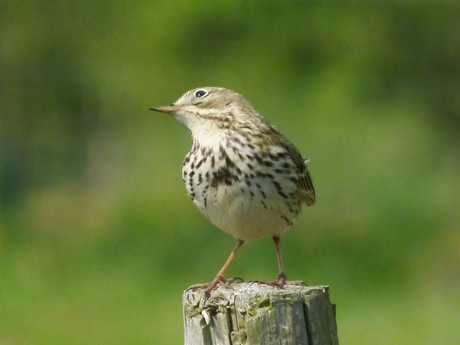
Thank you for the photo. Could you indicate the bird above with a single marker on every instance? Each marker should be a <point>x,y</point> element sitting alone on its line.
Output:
<point>241,172</point>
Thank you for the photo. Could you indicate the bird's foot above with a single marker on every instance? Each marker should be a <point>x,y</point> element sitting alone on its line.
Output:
<point>218,280</point>
<point>281,281</point>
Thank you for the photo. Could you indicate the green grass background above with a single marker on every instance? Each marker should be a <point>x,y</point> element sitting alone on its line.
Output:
<point>97,236</point>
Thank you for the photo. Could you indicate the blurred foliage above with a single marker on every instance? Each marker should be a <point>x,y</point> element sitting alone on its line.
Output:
<point>97,236</point>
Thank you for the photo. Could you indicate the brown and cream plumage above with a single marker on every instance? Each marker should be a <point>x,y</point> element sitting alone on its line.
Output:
<point>241,172</point>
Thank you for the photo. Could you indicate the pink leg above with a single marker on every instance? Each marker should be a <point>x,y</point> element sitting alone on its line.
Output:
<point>219,279</point>
<point>281,276</point>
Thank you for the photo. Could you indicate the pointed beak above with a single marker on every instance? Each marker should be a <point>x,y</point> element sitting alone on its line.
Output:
<point>166,109</point>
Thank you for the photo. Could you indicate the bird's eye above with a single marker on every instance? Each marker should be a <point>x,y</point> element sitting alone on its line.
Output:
<point>200,93</point>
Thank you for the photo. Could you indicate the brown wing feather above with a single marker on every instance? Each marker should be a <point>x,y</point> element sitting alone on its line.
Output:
<point>305,182</point>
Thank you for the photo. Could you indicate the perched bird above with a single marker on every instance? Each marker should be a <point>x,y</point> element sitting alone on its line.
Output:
<point>242,173</point>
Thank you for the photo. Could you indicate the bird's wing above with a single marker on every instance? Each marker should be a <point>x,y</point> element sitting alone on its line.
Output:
<point>307,191</point>
<point>305,182</point>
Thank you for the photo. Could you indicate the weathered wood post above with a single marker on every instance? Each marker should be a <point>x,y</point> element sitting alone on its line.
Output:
<point>258,314</point>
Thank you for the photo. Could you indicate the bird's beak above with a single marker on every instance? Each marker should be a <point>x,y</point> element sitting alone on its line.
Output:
<point>166,109</point>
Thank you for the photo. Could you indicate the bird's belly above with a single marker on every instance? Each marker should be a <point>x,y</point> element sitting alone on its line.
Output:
<point>244,213</point>
<point>248,194</point>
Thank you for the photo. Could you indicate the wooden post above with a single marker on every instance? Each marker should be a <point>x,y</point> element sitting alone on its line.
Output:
<point>257,314</point>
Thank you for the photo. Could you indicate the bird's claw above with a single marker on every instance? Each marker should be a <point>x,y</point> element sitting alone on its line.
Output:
<point>219,280</point>
<point>281,283</point>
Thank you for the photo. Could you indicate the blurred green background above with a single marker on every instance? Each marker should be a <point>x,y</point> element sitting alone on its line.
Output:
<point>98,238</point>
